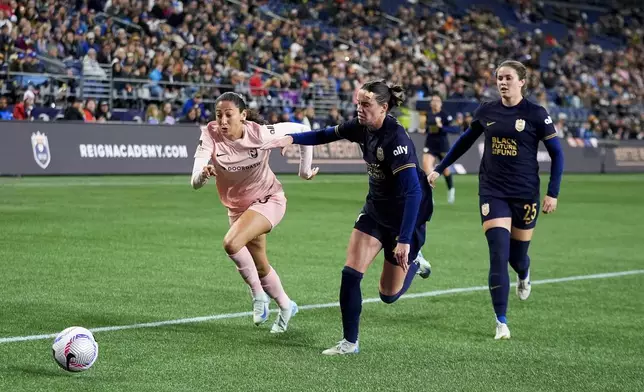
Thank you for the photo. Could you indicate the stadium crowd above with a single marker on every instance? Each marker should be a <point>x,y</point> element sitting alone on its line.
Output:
<point>169,48</point>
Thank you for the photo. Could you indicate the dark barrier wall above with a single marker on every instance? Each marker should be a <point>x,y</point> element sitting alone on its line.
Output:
<point>76,148</point>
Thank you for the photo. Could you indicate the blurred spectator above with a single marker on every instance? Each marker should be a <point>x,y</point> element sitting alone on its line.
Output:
<point>22,110</point>
<point>89,111</point>
<point>334,117</point>
<point>195,101</point>
<point>5,113</point>
<point>152,114</point>
<point>190,117</point>
<point>91,67</point>
<point>103,113</point>
<point>168,118</point>
<point>74,111</point>
<point>561,127</point>
<point>324,52</point>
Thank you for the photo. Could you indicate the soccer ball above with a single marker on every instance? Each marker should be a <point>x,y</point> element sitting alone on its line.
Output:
<point>75,349</point>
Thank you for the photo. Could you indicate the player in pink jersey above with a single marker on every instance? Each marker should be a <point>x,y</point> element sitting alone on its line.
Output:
<point>229,150</point>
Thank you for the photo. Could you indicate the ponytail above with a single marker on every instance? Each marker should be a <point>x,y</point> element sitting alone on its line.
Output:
<point>391,94</point>
<point>240,102</point>
<point>254,116</point>
<point>397,95</point>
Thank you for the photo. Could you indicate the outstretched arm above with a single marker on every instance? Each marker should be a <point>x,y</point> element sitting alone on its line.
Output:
<point>350,130</point>
<point>281,130</point>
<point>461,146</point>
<point>322,136</point>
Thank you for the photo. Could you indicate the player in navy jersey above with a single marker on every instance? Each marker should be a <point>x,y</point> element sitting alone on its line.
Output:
<point>509,181</point>
<point>436,142</point>
<point>398,205</point>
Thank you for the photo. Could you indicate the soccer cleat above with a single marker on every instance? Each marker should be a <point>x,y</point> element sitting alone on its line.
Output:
<point>502,331</point>
<point>284,316</point>
<point>524,288</point>
<point>424,268</point>
<point>343,347</point>
<point>451,196</point>
<point>260,309</point>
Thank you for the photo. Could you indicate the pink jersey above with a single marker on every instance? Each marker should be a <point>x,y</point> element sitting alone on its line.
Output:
<point>243,173</point>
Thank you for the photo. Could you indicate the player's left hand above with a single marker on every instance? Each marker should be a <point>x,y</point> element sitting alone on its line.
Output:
<point>401,254</point>
<point>281,142</point>
<point>549,205</point>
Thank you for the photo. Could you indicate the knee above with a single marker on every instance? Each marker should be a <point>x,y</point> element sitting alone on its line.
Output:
<point>499,244</point>
<point>389,299</point>
<point>232,245</point>
<point>518,250</point>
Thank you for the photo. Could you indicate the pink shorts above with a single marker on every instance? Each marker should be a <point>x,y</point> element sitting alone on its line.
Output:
<point>273,209</point>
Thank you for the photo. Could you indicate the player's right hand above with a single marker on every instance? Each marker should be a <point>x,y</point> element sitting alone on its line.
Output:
<point>207,172</point>
<point>281,142</point>
<point>432,177</point>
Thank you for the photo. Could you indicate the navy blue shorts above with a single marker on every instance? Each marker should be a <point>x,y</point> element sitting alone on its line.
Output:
<point>524,213</point>
<point>368,225</point>
<point>436,147</point>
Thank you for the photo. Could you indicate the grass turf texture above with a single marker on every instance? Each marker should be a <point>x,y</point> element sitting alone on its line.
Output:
<point>106,251</point>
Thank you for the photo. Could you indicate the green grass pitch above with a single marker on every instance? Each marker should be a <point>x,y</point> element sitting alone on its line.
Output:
<point>113,251</point>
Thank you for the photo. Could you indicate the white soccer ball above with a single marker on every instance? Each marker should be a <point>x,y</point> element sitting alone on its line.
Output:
<point>75,349</point>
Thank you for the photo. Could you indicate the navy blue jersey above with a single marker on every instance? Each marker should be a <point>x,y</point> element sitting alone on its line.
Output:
<point>386,151</point>
<point>436,141</point>
<point>436,123</point>
<point>509,167</point>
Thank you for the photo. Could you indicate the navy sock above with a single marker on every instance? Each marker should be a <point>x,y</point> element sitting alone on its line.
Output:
<point>449,180</point>
<point>498,240</point>
<point>351,303</point>
<point>519,259</point>
<point>411,273</point>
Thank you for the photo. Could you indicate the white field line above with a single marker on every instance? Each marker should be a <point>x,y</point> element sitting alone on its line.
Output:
<point>223,316</point>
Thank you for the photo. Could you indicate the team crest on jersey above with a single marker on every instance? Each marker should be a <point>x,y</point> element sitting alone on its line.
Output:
<point>380,154</point>
<point>485,209</point>
<point>252,152</point>
<point>40,148</point>
<point>519,125</point>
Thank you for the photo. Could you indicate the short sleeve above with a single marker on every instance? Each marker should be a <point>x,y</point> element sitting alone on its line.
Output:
<point>351,130</point>
<point>544,125</point>
<point>400,152</point>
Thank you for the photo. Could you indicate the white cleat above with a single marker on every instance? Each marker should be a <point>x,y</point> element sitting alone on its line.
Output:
<point>502,331</point>
<point>451,196</point>
<point>524,288</point>
<point>260,309</point>
<point>424,268</point>
<point>343,347</point>
<point>284,316</point>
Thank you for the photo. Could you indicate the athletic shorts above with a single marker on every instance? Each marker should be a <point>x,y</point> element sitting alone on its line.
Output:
<point>438,147</point>
<point>273,207</point>
<point>524,213</point>
<point>389,238</point>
